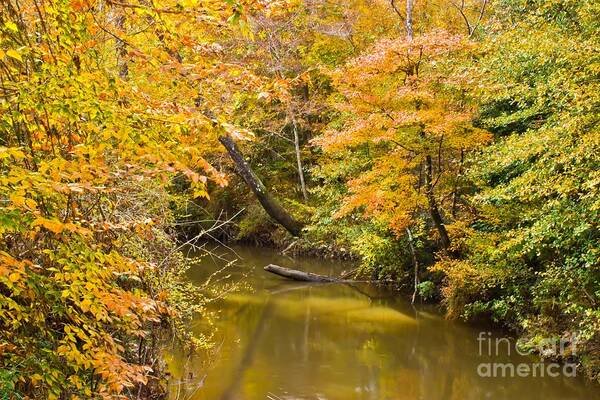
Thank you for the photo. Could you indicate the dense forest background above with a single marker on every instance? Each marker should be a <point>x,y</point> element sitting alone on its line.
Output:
<point>450,146</point>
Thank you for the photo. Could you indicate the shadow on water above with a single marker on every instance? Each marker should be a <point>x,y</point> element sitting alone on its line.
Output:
<point>290,340</point>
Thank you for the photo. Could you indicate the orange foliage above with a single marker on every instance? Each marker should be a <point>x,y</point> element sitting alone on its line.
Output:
<point>403,100</point>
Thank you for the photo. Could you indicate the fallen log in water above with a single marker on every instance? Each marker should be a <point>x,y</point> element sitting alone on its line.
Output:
<point>299,275</point>
<point>310,277</point>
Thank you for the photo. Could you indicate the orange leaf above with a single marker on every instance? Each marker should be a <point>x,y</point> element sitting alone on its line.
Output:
<point>50,224</point>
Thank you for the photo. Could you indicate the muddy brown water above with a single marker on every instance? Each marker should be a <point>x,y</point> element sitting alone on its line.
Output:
<point>278,339</point>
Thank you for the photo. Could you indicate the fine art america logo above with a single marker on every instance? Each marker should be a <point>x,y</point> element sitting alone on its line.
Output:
<point>499,347</point>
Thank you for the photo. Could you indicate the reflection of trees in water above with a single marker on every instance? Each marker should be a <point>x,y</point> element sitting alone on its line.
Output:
<point>248,357</point>
<point>293,341</point>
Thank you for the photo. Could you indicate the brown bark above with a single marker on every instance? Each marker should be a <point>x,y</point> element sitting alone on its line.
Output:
<point>268,202</point>
<point>122,49</point>
<point>434,211</point>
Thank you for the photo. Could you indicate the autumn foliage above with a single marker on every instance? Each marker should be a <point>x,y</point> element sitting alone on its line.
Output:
<point>97,116</point>
<point>402,100</point>
<point>452,146</point>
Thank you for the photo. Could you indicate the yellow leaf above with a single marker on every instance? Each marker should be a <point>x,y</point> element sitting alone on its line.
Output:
<point>18,201</point>
<point>85,305</point>
<point>6,152</point>
<point>11,26</point>
<point>30,203</point>
<point>52,225</point>
<point>14,54</point>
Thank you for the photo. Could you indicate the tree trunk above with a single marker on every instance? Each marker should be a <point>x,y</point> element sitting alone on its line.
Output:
<point>299,275</point>
<point>455,192</point>
<point>433,207</point>
<point>409,19</point>
<point>122,49</point>
<point>299,158</point>
<point>269,203</point>
<point>415,261</point>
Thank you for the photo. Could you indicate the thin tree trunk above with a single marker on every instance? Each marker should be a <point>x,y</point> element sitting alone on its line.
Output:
<point>413,254</point>
<point>433,207</point>
<point>269,203</point>
<point>455,193</point>
<point>409,19</point>
<point>299,158</point>
<point>122,49</point>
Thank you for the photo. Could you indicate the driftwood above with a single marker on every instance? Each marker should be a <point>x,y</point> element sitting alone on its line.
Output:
<point>299,275</point>
<point>315,278</point>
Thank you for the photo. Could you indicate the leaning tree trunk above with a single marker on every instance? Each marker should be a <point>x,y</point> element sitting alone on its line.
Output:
<point>433,207</point>
<point>269,203</point>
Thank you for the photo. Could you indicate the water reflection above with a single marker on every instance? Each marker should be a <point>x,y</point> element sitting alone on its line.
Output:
<point>288,340</point>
